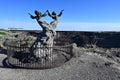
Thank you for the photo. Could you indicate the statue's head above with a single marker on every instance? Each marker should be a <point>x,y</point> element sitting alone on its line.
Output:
<point>53,13</point>
<point>37,12</point>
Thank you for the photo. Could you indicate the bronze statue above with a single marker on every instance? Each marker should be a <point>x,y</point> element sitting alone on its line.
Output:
<point>41,53</point>
<point>38,15</point>
<point>45,39</point>
<point>54,16</point>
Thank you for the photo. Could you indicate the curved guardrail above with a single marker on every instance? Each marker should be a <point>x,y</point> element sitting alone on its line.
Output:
<point>20,56</point>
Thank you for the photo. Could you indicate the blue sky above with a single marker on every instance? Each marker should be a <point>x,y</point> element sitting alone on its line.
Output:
<point>80,15</point>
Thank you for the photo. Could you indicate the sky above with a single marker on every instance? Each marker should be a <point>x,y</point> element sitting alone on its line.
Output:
<point>78,15</point>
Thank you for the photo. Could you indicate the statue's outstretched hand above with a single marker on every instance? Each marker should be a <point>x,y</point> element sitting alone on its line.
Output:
<point>62,10</point>
<point>47,11</point>
<point>31,16</point>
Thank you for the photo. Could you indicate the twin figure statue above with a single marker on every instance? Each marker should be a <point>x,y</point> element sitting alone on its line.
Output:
<point>48,32</point>
<point>46,37</point>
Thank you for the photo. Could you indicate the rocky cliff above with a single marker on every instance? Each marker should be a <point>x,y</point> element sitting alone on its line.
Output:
<point>89,39</point>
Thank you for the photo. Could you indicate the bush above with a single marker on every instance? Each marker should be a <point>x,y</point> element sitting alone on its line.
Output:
<point>20,39</point>
<point>2,33</point>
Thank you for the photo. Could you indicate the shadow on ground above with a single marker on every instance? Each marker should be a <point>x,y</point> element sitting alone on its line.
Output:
<point>3,59</point>
<point>3,51</point>
<point>4,64</point>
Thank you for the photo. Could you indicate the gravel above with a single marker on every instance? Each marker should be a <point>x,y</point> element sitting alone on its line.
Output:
<point>86,66</point>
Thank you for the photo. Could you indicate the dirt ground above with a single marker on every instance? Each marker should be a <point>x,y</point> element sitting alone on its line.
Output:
<point>85,65</point>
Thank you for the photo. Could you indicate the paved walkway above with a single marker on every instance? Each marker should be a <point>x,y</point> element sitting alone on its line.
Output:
<point>84,67</point>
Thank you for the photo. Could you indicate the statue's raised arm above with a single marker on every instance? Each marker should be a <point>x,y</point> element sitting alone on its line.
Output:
<point>54,16</point>
<point>38,15</point>
<point>33,17</point>
<point>49,14</point>
<point>45,14</point>
<point>60,13</point>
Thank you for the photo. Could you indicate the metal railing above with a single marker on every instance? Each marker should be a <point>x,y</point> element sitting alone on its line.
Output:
<point>21,56</point>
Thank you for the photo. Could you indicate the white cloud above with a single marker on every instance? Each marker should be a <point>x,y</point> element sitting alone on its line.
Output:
<point>73,26</point>
<point>89,26</point>
<point>19,24</point>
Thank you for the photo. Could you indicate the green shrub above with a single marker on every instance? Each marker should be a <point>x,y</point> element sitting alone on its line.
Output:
<point>2,33</point>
